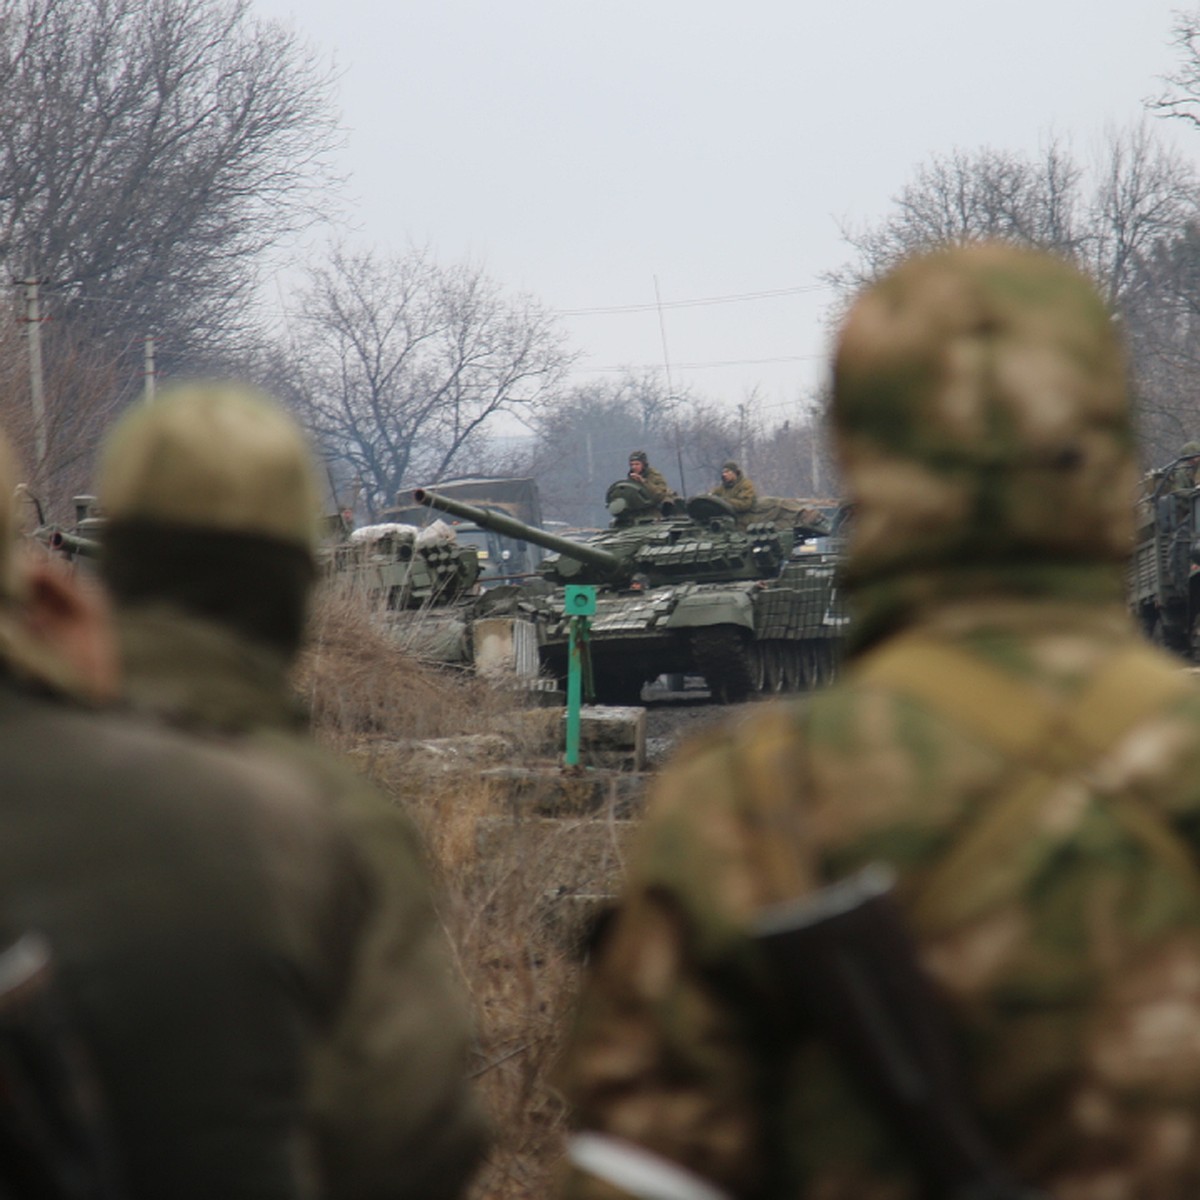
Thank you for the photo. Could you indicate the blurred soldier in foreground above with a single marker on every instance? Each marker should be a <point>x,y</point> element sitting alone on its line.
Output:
<point>202,913</point>
<point>640,471</point>
<point>1001,738</point>
<point>209,553</point>
<point>735,489</point>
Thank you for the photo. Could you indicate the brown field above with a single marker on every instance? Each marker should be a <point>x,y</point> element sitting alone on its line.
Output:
<point>509,879</point>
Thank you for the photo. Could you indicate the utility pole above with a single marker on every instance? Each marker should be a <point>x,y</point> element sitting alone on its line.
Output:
<point>149,369</point>
<point>33,322</point>
<point>662,331</point>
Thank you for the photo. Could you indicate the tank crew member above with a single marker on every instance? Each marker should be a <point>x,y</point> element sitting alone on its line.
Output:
<point>1002,738</point>
<point>735,489</point>
<point>209,553</point>
<point>1183,477</point>
<point>640,471</point>
<point>202,910</point>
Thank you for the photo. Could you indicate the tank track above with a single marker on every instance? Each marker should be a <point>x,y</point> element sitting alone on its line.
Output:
<point>722,655</point>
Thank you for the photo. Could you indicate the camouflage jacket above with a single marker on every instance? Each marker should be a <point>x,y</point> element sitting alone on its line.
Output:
<point>202,910</point>
<point>655,483</point>
<point>739,495</point>
<point>389,1099</point>
<point>1032,772</point>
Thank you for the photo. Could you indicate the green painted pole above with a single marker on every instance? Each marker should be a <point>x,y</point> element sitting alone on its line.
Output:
<point>579,604</point>
<point>574,690</point>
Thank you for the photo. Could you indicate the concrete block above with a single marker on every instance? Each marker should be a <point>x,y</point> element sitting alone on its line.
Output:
<point>611,736</point>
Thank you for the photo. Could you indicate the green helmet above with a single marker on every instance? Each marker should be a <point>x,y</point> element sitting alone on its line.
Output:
<point>1190,450</point>
<point>981,415</point>
<point>212,456</point>
<point>211,500</point>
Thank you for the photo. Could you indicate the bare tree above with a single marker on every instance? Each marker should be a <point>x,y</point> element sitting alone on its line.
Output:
<point>1128,219</point>
<point>399,365</point>
<point>150,150</point>
<point>967,195</point>
<point>1106,219</point>
<point>584,439</point>
<point>1144,195</point>
<point>1180,94</point>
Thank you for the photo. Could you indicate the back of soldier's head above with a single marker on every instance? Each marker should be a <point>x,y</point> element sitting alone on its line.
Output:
<point>982,418</point>
<point>211,499</point>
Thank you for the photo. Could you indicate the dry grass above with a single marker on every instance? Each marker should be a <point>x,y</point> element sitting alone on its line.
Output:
<point>506,876</point>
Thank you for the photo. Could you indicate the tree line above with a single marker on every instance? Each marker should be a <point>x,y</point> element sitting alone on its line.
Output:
<point>158,156</point>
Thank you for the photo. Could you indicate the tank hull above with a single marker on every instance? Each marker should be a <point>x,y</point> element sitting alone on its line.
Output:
<point>743,639</point>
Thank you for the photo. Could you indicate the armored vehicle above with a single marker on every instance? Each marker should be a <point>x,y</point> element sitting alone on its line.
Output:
<point>1164,578</point>
<point>501,559</point>
<point>407,568</point>
<point>751,609</point>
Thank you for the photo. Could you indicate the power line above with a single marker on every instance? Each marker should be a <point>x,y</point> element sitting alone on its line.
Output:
<point>700,366</point>
<point>696,303</point>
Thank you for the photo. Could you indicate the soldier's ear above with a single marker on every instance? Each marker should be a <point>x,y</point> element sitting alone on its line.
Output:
<point>70,616</point>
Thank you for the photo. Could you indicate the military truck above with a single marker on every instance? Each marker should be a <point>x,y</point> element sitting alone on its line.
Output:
<point>1164,578</point>
<point>752,609</point>
<point>501,558</point>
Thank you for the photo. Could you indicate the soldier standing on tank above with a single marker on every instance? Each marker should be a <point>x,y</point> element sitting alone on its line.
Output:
<point>1183,476</point>
<point>735,489</point>
<point>1001,738</point>
<point>640,471</point>
<point>212,506</point>
<point>202,911</point>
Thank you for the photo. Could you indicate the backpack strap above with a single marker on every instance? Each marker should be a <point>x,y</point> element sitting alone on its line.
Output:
<point>1052,748</point>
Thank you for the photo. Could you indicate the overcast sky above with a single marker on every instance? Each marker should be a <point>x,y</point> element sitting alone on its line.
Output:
<point>580,151</point>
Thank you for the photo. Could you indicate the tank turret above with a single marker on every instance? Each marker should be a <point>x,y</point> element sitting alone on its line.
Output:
<point>698,541</point>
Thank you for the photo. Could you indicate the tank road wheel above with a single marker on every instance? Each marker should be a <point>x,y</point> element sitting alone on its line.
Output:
<point>824,671</point>
<point>793,666</point>
<point>775,652</point>
<point>759,666</point>
<point>806,665</point>
<point>722,655</point>
<point>826,662</point>
<point>1193,648</point>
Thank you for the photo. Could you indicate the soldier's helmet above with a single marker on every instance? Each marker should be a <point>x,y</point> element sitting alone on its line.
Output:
<point>216,457</point>
<point>1190,450</point>
<point>981,415</point>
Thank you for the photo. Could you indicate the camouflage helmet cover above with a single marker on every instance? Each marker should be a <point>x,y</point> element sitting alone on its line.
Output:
<point>981,414</point>
<point>212,456</point>
<point>1189,450</point>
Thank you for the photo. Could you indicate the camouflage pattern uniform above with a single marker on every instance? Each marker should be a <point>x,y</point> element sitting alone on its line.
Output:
<point>653,481</point>
<point>212,511</point>
<point>740,494</point>
<point>1183,478</point>
<point>1001,737</point>
<point>203,912</point>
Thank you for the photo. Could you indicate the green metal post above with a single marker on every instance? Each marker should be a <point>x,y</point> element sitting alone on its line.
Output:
<point>580,603</point>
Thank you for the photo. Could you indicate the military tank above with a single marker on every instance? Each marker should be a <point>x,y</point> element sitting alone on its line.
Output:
<point>681,590</point>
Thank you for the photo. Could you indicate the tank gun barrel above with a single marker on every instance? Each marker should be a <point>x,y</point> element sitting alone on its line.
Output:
<point>70,543</point>
<point>609,564</point>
